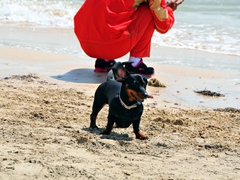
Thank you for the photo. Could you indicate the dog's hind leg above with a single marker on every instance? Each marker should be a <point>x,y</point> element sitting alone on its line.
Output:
<point>97,106</point>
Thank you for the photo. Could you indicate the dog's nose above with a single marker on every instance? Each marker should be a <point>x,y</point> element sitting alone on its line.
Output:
<point>145,95</point>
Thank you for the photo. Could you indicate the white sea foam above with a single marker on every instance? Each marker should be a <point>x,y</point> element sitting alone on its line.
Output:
<point>47,13</point>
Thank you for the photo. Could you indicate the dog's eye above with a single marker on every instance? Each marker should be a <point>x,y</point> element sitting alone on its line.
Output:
<point>136,83</point>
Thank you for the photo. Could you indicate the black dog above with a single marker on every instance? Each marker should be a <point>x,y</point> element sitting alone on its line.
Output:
<point>124,93</point>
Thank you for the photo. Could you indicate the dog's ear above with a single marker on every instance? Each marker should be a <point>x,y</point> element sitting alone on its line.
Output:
<point>124,64</point>
<point>119,71</point>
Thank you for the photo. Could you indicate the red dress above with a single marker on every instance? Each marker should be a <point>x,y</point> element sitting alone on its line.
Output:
<point>110,29</point>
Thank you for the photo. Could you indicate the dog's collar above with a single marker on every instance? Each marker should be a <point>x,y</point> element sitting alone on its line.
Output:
<point>127,107</point>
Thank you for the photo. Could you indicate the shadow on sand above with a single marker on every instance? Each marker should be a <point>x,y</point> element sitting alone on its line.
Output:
<point>83,75</point>
<point>113,135</point>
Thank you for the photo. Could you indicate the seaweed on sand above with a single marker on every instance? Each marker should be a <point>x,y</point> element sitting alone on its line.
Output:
<point>209,93</point>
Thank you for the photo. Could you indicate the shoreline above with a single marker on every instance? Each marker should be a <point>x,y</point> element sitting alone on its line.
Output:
<point>181,81</point>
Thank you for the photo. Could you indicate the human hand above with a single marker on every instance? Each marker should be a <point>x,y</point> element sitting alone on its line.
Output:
<point>174,4</point>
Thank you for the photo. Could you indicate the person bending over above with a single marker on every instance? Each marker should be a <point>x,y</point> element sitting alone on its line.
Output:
<point>109,29</point>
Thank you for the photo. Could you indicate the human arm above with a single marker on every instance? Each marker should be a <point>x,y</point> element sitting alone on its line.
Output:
<point>163,14</point>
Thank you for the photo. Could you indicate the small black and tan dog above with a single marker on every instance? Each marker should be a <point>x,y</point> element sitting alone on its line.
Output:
<point>124,93</point>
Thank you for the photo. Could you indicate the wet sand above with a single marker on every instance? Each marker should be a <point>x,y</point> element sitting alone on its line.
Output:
<point>181,81</point>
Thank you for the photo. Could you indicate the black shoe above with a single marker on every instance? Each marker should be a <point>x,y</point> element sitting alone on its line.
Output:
<point>141,68</point>
<point>102,65</point>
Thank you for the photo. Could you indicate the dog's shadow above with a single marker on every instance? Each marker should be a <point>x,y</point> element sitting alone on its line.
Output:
<point>112,136</point>
<point>83,75</point>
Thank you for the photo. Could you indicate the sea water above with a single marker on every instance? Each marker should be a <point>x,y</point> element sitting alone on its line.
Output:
<point>202,25</point>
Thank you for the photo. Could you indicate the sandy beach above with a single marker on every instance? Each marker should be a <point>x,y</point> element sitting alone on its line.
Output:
<point>47,84</point>
<point>46,101</point>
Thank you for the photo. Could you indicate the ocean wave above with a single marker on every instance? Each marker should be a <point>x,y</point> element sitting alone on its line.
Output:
<point>224,40</point>
<point>47,13</point>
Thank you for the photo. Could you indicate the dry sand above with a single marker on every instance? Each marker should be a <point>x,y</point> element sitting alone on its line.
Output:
<point>45,135</point>
<point>44,125</point>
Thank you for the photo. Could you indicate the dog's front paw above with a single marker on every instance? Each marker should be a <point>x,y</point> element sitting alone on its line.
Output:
<point>105,131</point>
<point>141,136</point>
